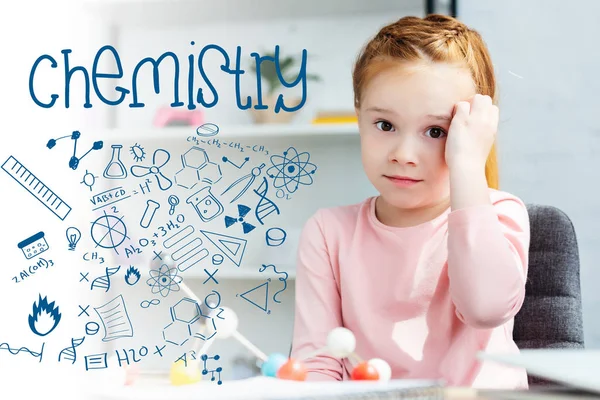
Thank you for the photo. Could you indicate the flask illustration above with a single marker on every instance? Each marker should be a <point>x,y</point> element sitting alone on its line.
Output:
<point>115,168</point>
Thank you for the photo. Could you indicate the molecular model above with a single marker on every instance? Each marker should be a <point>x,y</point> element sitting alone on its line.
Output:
<point>340,343</point>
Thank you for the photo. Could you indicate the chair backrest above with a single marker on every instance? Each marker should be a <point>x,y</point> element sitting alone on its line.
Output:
<point>551,316</point>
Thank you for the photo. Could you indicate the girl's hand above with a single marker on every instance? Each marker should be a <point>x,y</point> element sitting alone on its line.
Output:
<point>472,132</point>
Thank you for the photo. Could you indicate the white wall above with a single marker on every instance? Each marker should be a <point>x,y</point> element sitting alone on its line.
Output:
<point>548,134</point>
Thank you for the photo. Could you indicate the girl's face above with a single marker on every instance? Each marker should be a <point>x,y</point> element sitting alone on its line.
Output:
<point>403,120</point>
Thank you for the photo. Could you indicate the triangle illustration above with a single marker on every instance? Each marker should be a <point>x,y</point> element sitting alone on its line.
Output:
<point>266,295</point>
<point>229,221</point>
<point>243,210</point>
<point>232,247</point>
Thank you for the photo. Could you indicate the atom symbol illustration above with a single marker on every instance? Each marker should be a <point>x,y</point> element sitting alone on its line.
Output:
<point>164,280</point>
<point>138,152</point>
<point>109,232</point>
<point>291,170</point>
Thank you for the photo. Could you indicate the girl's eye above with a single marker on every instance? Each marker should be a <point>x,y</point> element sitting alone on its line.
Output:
<point>436,132</point>
<point>384,126</point>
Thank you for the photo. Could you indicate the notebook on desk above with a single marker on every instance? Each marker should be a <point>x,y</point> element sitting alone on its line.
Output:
<point>570,367</point>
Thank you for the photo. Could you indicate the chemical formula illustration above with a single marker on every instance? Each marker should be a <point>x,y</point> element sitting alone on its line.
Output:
<point>159,220</point>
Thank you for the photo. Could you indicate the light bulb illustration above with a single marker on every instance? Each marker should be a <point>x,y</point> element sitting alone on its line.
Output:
<point>73,236</point>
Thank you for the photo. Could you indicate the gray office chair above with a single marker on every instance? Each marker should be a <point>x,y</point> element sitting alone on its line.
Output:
<point>551,316</point>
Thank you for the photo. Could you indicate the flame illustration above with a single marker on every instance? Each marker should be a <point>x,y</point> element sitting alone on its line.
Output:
<point>132,276</point>
<point>45,317</point>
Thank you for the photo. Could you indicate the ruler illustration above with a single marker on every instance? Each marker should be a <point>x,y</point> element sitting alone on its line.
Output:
<point>36,187</point>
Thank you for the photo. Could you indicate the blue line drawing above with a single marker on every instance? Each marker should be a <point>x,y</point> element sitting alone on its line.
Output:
<point>69,353</point>
<point>266,295</point>
<point>34,245</point>
<point>211,276</point>
<point>14,352</point>
<point>227,160</point>
<point>265,205</point>
<point>84,277</point>
<point>212,305</point>
<point>275,237</point>
<point>207,130</point>
<point>249,181</point>
<point>242,211</point>
<point>186,310</point>
<point>115,319</point>
<point>212,371</point>
<point>109,232</point>
<point>92,328</point>
<point>177,333</point>
<point>74,160</point>
<point>159,350</point>
<point>232,247</point>
<point>151,207</point>
<point>132,276</point>
<point>206,205</point>
<point>44,318</point>
<point>183,358</point>
<point>36,187</point>
<point>83,311</point>
<point>178,236</point>
<point>195,247</point>
<point>197,168</point>
<point>284,279</point>
<point>291,170</point>
<point>102,197</point>
<point>89,179</point>
<point>148,303</point>
<point>103,282</point>
<point>207,330</point>
<point>164,280</point>
<point>183,314</point>
<point>188,253</point>
<point>159,159</point>
<point>187,178</point>
<point>137,152</point>
<point>73,236</point>
<point>96,361</point>
<point>217,259</point>
<point>115,169</point>
<point>173,202</point>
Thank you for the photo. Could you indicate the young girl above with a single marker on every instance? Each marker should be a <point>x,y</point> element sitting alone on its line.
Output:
<point>431,271</point>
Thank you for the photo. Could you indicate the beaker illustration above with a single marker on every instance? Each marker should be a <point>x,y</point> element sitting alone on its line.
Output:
<point>206,205</point>
<point>115,168</point>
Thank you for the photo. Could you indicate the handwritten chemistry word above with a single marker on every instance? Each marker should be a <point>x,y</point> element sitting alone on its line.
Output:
<point>194,95</point>
<point>234,145</point>
<point>26,273</point>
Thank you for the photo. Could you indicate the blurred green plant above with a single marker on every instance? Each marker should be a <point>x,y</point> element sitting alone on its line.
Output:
<point>268,71</point>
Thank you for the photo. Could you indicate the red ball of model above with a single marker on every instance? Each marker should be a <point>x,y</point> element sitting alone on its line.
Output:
<point>364,372</point>
<point>292,370</point>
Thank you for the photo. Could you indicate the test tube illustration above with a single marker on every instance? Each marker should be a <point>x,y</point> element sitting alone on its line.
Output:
<point>151,207</point>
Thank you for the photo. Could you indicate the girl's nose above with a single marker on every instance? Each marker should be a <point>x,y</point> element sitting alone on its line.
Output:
<point>404,150</point>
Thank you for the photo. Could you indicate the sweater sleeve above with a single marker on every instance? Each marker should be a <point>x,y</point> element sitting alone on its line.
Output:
<point>488,251</point>
<point>318,303</point>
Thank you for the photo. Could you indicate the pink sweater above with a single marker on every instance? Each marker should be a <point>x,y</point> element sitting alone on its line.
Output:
<point>425,298</point>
